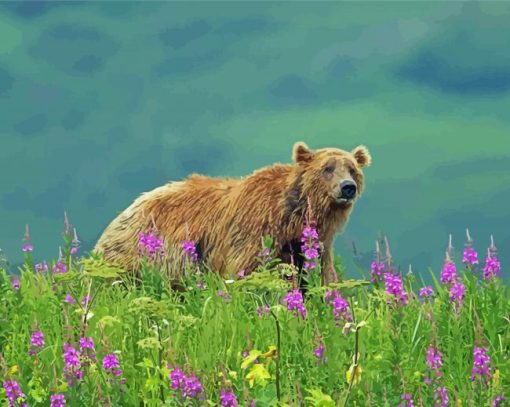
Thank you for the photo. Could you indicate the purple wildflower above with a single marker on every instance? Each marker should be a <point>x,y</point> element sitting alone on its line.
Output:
<point>407,400</point>
<point>60,267</point>
<point>151,246</point>
<point>223,294</point>
<point>192,387</point>
<point>434,359</point>
<point>85,300</point>
<point>340,306</point>
<point>37,339</point>
<point>470,256</point>
<point>201,285</point>
<point>265,255</point>
<point>36,342</point>
<point>228,398</point>
<point>498,401</point>
<point>449,273</point>
<point>457,292</point>
<point>15,283</point>
<point>376,269</point>
<point>426,291</point>
<point>69,299</point>
<point>394,286</point>
<point>189,386</point>
<point>41,267</point>
<point>87,350</point>
<point>177,377</point>
<point>189,249</point>
<point>441,395</point>
<point>481,362</point>
<point>294,301</point>
<point>14,394</point>
<point>319,351</point>
<point>110,361</point>
<point>492,267</point>
<point>75,243</point>
<point>262,310</point>
<point>72,368</point>
<point>112,366</point>
<point>58,400</point>
<point>310,246</point>
<point>27,247</point>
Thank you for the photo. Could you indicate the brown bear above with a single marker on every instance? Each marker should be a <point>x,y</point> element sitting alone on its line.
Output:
<point>227,217</point>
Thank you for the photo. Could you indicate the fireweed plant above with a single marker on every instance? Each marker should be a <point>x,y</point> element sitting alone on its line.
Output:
<point>78,331</point>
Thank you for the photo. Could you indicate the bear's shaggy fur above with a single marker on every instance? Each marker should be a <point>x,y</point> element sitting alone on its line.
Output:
<point>227,217</point>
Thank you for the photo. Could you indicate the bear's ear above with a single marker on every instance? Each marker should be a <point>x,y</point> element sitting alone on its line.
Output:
<point>362,156</point>
<point>301,153</point>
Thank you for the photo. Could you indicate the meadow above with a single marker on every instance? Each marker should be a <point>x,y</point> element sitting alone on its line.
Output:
<point>80,332</point>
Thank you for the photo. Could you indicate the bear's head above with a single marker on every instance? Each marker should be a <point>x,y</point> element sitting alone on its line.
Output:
<point>333,173</point>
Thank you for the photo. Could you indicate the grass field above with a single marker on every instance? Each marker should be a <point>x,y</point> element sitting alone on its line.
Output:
<point>81,332</point>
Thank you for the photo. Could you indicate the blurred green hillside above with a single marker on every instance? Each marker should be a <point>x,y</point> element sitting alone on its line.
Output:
<point>100,101</point>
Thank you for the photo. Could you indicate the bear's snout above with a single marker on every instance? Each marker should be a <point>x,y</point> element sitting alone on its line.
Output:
<point>348,189</point>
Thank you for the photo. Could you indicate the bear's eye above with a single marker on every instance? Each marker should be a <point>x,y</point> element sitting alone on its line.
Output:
<point>352,171</point>
<point>330,169</point>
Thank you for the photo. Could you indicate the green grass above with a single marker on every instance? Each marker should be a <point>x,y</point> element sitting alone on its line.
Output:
<point>150,325</point>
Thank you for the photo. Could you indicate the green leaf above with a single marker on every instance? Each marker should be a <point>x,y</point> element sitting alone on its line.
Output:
<point>318,399</point>
<point>94,267</point>
<point>149,343</point>
<point>67,277</point>
<point>147,363</point>
<point>264,280</point>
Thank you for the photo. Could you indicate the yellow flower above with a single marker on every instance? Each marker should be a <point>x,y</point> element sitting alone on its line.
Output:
<point>259,374</point>
<point>357,374</point>
<point>271,353</point>
<point>13,370</point>
<point>252,356</point>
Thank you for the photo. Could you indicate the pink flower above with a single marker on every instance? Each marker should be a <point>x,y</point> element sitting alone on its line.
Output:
<point>457,292</point>
<point>110,361</point>
<point>228,398</point>
<point>190,250</point>
<point>376,269</point>
<point>481,364</point>
<point>310,246</point>
<point>58,400</point>
<point>294,301</point>
<point>395,287</point>
<point>492,267</point>
<point>14,394</point>
<point>340,306</point>
<point>15,283</point>
<point>319,351</point>
<point>150,245</point>
<point>470,256</point>
<point>449,273</point>
<point>426,291</point>
<point>69,299</point>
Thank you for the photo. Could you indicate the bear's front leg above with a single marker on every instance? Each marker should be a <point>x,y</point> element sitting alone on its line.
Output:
<point>328,267</point>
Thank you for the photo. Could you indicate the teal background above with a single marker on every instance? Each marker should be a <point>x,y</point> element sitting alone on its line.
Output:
<point>100,101</point>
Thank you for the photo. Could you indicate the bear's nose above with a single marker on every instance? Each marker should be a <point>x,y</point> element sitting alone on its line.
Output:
<point>348,189</point>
